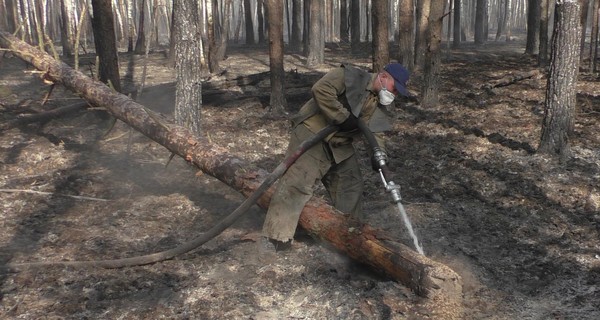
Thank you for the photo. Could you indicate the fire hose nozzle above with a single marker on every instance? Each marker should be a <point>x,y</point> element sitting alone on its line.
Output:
<point>391,187</point>
<point>394,189</point>
<point>380,157</point>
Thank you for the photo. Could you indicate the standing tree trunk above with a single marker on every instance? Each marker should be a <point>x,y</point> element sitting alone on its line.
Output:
<point>106,44</point>
<point>249,25</point>
<point>66,37</point>
<point>585,4</point>
<point>406,43</point>
<point>594,36</point>
<point>355,26</point>
<point>140,44</point>
<point>275,17</point>
<point>406,33</point>
<point>224,30</point>
<point>211,14</point>
<point>296,39</point>
<point>316,41</point>
<point>423,8</point>
<point>456,26</point>
<point>561,89</point>
<point>507,22</point>
<point>381,47</point>
<point>533,27</point>
<point>188,90</point>
<point>432,60</point>
<point>344,26</point>
<point>501,19</point>
<point>543,56</point>
<point>480,22</point>
<point>260,20</point>
<point>11,15</point>
<point>172,37</point>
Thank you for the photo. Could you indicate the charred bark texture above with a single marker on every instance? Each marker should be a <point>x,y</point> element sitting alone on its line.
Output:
<point>561,90</point>
<point>426,277</point>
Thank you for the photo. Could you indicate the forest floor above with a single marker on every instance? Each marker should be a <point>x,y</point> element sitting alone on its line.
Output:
<point>521,229</point>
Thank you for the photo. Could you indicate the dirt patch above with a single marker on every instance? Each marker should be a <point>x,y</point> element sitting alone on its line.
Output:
<point>522,230</point>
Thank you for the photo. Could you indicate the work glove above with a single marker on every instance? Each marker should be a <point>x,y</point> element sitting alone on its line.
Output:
<point>378,158</point>
<point>351,123</point>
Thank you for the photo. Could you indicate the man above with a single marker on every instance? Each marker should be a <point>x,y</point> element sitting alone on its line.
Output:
<point>340,97</point>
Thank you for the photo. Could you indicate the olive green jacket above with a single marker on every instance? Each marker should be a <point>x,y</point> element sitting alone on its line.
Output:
<point>338,93</point>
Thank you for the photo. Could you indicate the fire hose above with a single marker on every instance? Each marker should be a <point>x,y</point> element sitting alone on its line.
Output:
<point>380,158</point>
<point>198,241</point>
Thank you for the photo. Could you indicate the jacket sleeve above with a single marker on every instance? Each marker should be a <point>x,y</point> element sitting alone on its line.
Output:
<point>326,92</point>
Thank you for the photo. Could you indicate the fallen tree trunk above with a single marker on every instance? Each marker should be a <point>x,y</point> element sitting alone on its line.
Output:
<point>426,277</point>
<point>512,78</point>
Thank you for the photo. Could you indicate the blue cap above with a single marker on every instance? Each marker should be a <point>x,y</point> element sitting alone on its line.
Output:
<point>400,75</point>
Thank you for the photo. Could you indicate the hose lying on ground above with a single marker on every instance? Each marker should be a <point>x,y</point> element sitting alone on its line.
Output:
<point>194,243</point>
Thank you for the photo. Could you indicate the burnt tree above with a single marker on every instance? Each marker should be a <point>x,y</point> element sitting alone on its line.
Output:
<point>561,89</point>
<point>406,48</point>
<point>296,39</point>
<point>316,36</point>
<point>275,17</point>
<point>140,44</point>
<point>106,43</point>
<point>188,92</point>
<point>355,26</point>
<point>432,58</point>
<point>381,50</point>
<point>249,23</point>
<point>533,27</point>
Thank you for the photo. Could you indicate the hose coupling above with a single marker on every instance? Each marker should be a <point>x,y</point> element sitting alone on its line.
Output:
<point>380,157</point>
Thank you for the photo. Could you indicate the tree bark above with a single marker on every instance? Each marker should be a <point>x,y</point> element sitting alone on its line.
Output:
<point>585,4</point>
<point>106,44</point>
<point>533,27</point>
<point>344,26</point>
<point>422,18</point>
<point>355,26</point>
<point>316,40</point>
<point>543,50</point>
<point>140,44</point>
<point>381,51</point>
<point>456,28</point>
<point>426,277</point>
<point>406,38</point>
<point>277,103</point>
<point>296,39</point>
<point>188,93</point>
<point>561,89</point>
<point>594,36</point>
<point>432,58</point>
<point>249,24</point>
<point>66,37</point>
<point>260,20</point>
<point>480,22</point>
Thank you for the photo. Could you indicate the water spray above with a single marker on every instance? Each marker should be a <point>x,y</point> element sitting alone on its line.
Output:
<point>380,158</point>
<point>394,190</point>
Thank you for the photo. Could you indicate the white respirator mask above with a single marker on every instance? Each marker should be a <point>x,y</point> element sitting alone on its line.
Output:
<point>385,96</point>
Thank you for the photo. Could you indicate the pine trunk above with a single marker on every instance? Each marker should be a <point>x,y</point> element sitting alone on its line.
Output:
<point>561,89</point>
<point>275,16</point>
<point>381,52</point>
